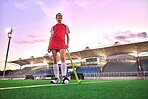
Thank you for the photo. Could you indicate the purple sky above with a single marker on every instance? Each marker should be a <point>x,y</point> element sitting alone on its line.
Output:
<point>93,23</point>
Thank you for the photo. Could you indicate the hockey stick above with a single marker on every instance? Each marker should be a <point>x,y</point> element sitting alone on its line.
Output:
<point>74,70</point>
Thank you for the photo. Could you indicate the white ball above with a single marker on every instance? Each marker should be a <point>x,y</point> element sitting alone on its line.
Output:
<point>66,81</point>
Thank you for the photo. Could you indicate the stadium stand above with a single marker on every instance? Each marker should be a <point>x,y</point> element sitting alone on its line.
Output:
<point>43,72</point>
<point>24,71</point>
<point>29,70</point>
<point>90,69</point>
<point>113,61</point>
<point>144,63</point>
<point>118,66</point>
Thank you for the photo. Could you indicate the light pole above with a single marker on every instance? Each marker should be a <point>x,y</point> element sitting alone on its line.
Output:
<point>9,36</point>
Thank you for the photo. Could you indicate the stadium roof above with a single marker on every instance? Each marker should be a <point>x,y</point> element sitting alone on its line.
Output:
<point>134,48</point>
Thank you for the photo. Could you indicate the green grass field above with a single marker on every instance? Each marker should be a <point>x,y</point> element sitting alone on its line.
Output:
<point>89,89</point>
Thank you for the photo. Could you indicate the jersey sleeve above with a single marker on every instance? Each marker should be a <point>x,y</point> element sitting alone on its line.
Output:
<point>51,31</point>
<point>67,30</point>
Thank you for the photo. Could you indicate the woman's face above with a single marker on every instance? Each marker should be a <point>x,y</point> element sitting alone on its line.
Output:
<point>59,17</point>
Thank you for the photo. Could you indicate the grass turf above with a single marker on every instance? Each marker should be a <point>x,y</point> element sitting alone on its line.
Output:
<point>89,89</point>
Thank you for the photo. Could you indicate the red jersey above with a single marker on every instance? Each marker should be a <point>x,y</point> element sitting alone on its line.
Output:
<point>58,33</point>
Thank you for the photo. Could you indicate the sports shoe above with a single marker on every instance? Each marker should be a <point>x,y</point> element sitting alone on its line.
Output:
<point>55,81</point>
<point>64,78</point>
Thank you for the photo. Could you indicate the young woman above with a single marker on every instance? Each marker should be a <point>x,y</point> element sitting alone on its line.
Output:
<point>57,44</point>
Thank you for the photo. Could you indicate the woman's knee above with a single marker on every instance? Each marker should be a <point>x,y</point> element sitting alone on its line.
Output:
<point>55,61</point>
<point>62,59</point>
<point>62,55</point>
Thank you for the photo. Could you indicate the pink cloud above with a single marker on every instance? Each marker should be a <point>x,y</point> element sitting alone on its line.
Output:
<point>32,36</point>
<point>93,4</point>
<point>128,36</point>
<point>30,41</point>
<point>105,3</point>
<point>21,5</point>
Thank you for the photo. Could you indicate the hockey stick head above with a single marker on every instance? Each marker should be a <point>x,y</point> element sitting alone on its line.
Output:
<point>80,81</point>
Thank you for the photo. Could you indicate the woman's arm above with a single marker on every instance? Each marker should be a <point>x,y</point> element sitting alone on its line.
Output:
<point>68,38</point>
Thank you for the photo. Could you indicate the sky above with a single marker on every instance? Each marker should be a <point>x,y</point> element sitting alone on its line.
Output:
<point>93,23</point>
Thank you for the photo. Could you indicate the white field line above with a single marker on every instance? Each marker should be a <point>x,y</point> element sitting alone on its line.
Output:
<point>33,86</point>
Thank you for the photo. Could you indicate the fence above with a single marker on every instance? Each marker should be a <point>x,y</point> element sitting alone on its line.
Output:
<point>118,75</point>
<point>103,75</point>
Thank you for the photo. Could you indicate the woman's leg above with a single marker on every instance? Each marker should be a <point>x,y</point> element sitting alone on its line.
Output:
<point>55,65</point>
<point>63,63</point>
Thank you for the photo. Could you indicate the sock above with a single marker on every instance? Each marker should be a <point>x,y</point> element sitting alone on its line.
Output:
<point>56,70</point>
<point>64,68</point>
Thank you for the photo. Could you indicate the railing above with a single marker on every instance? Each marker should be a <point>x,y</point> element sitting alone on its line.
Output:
<point>103,75</point>
<point>12,77</point>
<point>137,75</point>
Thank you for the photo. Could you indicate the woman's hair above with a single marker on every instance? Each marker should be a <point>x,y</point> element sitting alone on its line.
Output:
<point>58,14</point>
